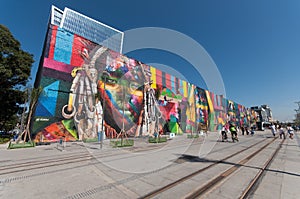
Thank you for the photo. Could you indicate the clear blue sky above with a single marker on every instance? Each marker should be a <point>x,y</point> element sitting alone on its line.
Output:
<point>255,44</point>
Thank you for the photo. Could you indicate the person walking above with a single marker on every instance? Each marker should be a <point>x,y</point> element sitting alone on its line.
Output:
<point>247,130</point>
<point>243,129</point>
<point>166,128</point>
<point>273,129</point>
<point>290,131</point>
<point>281,132</point>
<point>252,131</point>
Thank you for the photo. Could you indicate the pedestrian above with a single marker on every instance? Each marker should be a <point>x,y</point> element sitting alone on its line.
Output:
<point>237,129</point>
<point>252,131</point>
<point>243,130</point>
<point>290,131</point>
<point>273,129</point>
<point>233,131</point>
<point>247,130</point>
<point>166,128</point>
<point>281,132</point>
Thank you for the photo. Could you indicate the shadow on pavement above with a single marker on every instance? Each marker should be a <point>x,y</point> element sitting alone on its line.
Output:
<point>189,158</point>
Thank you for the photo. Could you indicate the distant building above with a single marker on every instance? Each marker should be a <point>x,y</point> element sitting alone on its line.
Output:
<point>268,113</point>
<point>264,113</point>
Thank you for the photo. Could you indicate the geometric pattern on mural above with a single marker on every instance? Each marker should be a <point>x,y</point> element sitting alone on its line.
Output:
<point>49,99</point>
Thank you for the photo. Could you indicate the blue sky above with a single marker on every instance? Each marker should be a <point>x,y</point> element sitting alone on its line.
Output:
<point>255,44</point>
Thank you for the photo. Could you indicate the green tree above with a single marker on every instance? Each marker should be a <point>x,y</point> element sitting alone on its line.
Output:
<point>15,68</point>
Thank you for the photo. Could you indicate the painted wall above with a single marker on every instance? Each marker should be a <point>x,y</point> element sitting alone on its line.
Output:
<point>81,80</point>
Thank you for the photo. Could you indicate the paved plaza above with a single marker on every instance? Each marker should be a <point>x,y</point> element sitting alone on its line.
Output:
<point>83,170</point>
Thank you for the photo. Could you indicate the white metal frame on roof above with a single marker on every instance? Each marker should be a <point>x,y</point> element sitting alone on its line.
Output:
<point>121,49</point>
<point>68,9</point>
<point>53,9</point>
<point>102,24</point>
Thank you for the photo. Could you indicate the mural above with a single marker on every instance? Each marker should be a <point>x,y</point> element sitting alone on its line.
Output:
<point>201,109</point>
<point>89,88</point>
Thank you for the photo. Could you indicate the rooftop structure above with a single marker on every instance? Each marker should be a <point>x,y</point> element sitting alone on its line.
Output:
<point>88,28</point>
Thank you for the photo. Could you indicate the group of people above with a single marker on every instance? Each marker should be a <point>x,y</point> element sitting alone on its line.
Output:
<point>230,127</point>
<point>233,129</point>
<point>278,128</point>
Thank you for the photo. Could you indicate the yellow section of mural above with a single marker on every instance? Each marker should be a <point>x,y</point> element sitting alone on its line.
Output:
<point>153,76</point>
<point>185,90</point>
<point>191,100</point>
<point>210,104</point>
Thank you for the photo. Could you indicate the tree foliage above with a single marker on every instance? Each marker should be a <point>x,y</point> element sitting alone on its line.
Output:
<point>15,68</point>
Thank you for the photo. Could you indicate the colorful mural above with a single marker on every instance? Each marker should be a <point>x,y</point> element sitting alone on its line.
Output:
<point>89,89</point>
<point>201,109</point>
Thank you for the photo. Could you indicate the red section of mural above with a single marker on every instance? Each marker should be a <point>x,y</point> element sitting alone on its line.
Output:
<point>168,110</point>
<point>168,81</point>
<point>217,101</point>
<point>159,77</point>
<point>52,42</point>
<point>53,133</point>
<point>59,66</point>
<point>79,50</point>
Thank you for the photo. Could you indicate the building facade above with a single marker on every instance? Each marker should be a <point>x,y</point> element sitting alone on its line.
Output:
<point>90,88</point>
<point>263,116</point>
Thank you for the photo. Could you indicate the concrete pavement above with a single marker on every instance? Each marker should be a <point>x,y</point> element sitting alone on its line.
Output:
<point>135,171</point>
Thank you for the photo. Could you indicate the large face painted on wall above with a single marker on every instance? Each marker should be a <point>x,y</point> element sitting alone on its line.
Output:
<point>117,81</point>
<point>120,88</point>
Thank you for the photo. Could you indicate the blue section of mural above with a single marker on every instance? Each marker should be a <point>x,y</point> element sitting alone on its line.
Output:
<point>42,111</point>
<point>63,46</point>
<point>50,98</point>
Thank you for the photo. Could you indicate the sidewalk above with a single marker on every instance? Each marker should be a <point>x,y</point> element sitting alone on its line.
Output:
<point>282,179</point>
<point>130,172</point>
<point>4,146</point>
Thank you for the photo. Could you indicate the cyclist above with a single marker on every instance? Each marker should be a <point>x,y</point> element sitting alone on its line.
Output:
<point>224,133</point>
<point>233,131</point>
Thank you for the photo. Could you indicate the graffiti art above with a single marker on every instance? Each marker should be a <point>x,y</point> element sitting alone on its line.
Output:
<point>88,88</point>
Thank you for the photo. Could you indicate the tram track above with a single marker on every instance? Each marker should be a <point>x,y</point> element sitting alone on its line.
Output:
<point>43,159</point>
<point>33,163</point>
<point>36,162</point>
<point>22,166</point>
<point>62,160</point>
<point>250,189</point>
<point>199,192</point>
<point>96,190</point>
<point>197,172</point>
<point>116,183</point>
<point>66,159</point>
